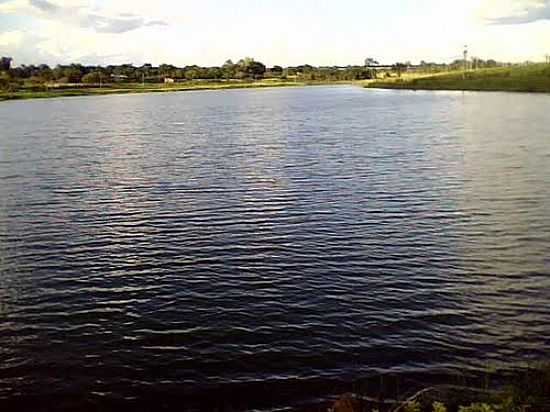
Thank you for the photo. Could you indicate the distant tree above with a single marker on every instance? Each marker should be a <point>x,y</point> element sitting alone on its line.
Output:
<point>257,70</point>
<point>45,72</point>
<point>400,68</point>
<point>146,70</point>
<point>250,68</point>
<point>73,73</point>
<point>58,72</point>
<point>369,61</point>
<point>290,71</point>
<point>192,72</point>
<point>94,77</point>
<point>166,70</point>
<point>246,68</point>
<point>5,63</point>
<point>276,71</point>
<point>179,74</point>
<point>126,70</point>
<point>8,82</point>
<point>4,80</point>
<point>228,69</point>
<point>214,73</point>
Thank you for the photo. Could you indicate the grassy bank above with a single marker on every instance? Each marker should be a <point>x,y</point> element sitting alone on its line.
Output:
<point>524,391</point>
<point>531,78</point>
<point>124,88</point>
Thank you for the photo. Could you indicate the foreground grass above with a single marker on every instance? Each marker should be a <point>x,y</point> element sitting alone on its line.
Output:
<point>531,78</point>
<point>528,391</point>
<point>42,92</point>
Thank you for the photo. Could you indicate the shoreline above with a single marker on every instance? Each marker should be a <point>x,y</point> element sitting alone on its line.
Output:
<point>414,88</point>
<point>105,91</point>
<point>533,79</point>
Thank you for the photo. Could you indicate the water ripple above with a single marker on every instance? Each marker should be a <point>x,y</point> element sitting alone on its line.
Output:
<point>188,247</point>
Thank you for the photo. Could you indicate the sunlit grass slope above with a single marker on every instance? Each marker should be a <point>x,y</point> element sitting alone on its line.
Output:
<point>529,78</point>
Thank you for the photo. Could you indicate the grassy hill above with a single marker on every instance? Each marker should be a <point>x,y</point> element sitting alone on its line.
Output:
<point>530,78</point>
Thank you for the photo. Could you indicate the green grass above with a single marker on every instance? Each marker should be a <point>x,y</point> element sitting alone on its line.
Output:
<point>74,90</point>
<point>526,391</point>
<point>530,78</point>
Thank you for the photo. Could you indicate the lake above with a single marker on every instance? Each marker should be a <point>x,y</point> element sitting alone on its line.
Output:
<point>266,248</point>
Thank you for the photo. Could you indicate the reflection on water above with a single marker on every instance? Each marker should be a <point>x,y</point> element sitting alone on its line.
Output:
<point>178,246</point>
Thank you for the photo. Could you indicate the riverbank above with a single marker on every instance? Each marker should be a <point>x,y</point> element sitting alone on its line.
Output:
<point>532,78</point>
<point>127,88</point>
<point>526,390</point>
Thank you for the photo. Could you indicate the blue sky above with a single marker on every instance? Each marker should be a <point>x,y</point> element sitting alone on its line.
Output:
<point>321,32</point>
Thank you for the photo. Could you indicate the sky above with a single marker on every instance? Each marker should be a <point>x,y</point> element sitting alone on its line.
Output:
<point>284,32</point>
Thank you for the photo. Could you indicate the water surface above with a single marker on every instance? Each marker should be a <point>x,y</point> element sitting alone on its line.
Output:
<point>265,245</point>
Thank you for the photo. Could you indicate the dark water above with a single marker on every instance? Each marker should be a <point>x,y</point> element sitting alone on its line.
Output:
<point>263,245</point>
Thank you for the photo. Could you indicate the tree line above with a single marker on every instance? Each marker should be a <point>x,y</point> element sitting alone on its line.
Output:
<point>244,69</point>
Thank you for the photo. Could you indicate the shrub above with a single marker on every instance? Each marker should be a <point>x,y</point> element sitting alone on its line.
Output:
<point>477,407</point>
<point>439,407</point>
<point>412,406</point>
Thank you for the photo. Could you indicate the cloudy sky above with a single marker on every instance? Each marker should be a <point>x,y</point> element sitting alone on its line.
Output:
<point>286,32</point>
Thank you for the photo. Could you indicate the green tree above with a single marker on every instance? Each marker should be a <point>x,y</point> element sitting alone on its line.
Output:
<point>192,72</point>
<point>95,77</point>
<point>275,71</point>
<point>45,73</point>
<point>399,68</point>
<point>4,80</point>
<point>228,69</point>
<point>250,68</point>
<point>73,73</point>
<point>369,61</point>
<point>214,73</point>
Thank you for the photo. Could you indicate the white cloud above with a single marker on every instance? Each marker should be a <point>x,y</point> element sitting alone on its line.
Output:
<point>509,12</point>
<point>23,47</point>
<point>12,38</point>
<point>67,31</point>
<point>276,32</point>
<point>78,14</point>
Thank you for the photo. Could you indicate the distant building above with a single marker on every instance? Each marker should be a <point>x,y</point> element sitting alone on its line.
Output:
<point>169,80</point>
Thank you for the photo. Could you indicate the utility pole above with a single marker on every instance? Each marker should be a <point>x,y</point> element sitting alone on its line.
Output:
<point>465,61</point>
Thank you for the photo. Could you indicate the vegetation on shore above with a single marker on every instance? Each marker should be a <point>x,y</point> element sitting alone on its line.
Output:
<point>528,391</point>
<point>42,81</point>
<point>27,82</point>
<point>68,90</point>
<point>524,78</point>
<point>24,82</point>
